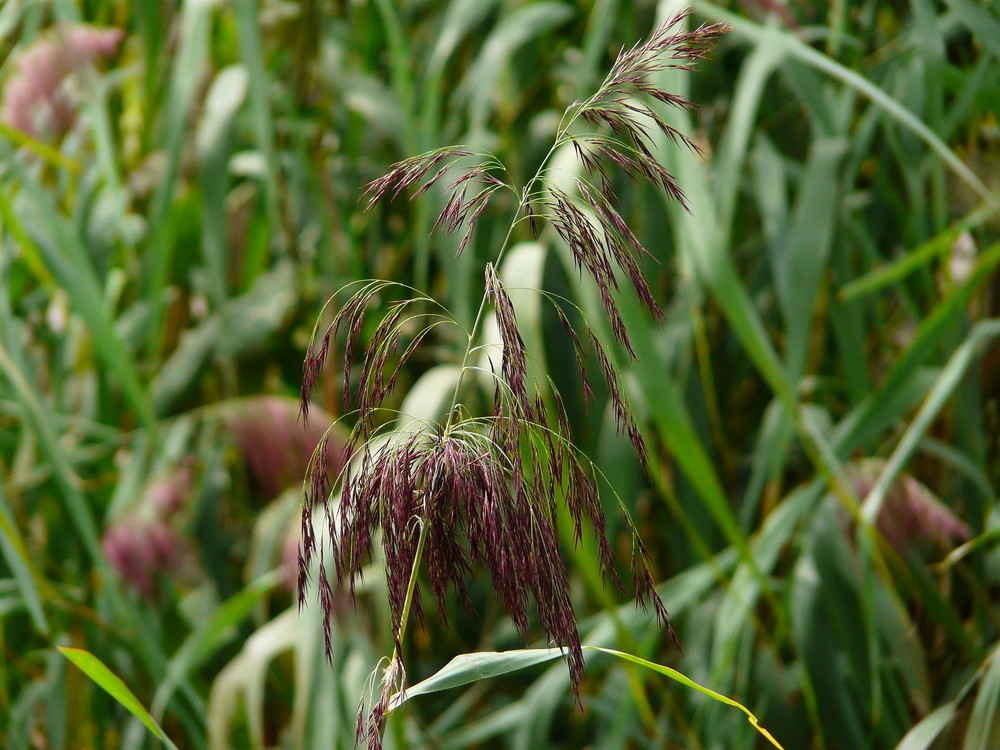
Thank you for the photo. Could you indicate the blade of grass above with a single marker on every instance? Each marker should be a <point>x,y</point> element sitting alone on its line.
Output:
<point>910,261</point>
<point>527,22</point>
<point>95,669</point>
<point>469,668</point>
<point>72,498</point>
<point>68,262</point>
<point>195,26</point>
<point>673,674</point>
<point>793,47</point>
<point>732,153</point>
<point>982,24</point>
<point>40,149</point>
<point>923,734</point>
<point>15,552</point>
<point>252,55</point>
<point>803,258</point>
<point>208,638</point>
<point>30,253</point>
<point>222,103</point>
<point>481,665</point>
<point>699,239</point>
<point>983,732</point>
<point>944,388</point>
<point>873,414</point>
<point>601,23</point>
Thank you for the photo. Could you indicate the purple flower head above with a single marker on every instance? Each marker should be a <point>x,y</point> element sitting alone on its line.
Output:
<point>471,493</point>
<point>35,98</point>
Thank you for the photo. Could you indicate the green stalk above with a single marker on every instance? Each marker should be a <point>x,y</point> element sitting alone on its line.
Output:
<point>410,587</point>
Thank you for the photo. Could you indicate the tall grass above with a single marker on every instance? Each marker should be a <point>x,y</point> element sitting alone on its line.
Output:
<point>820,405</point>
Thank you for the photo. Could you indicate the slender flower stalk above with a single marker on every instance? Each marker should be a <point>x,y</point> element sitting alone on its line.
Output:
<point>482,491</point>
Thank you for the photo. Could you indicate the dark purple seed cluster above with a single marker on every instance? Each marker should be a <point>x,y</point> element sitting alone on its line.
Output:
<point>483,491</point>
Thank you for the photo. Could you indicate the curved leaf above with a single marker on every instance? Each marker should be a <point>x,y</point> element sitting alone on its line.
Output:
<point>673,674</point>
<point>514,31</point>
<point>481,665</point>
<point>95,669</point>
<point>926,731</point>
<point>468,668</point>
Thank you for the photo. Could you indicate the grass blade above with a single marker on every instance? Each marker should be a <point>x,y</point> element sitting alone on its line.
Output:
<point>524,24</point>
<point>923,734</point>
<point>481,665</point>
<point>95,669</point>
<point>205,640</point>
<point>67,260</point>
<point>943,389</point>
<point>983,732</point>
<point>15,551</point>
<point>673,674</point>
<point>880,98</point>
<point>469,668</point>
<point>252,54</point>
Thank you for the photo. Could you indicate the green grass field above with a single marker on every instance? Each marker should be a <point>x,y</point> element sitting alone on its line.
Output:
<point>181,192</point>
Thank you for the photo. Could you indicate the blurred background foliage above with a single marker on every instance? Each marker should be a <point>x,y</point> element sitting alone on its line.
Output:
<point>179,187</point>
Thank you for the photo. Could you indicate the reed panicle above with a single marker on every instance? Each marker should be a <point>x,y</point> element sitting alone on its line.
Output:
<point>481,491</point>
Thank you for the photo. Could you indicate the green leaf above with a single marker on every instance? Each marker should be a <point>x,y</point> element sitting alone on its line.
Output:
<point>39,148</point>
<point>37,217</point>
<point>927,730</point>
<point>481,665</point>
<point>210,636</point>
<point>732,154</point>
<point>801,261</point>
<point>985,27</point>
<point>521,26</point>
<point>879,409</point>
<point>214,141</point>
<point>912,260</point>
<point>460,18</point>
<point>39,418</point>
<point>248,321</point>
<point>252,53</point>
<point>984,722</point>
<point>19,560</point>
<point>95,669</point>
<point>943,389</point>
<point>673,674</point>
<point>793,47</point>
<point>192,50</point>
<point>485,664</point>
<point>704,251</point>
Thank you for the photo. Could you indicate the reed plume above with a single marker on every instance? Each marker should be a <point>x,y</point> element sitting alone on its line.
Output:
<point>482,490</point>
